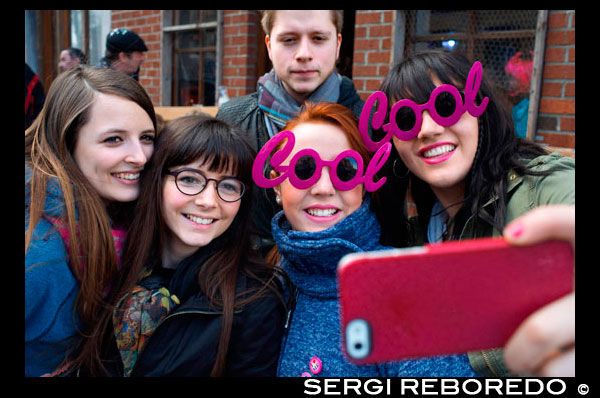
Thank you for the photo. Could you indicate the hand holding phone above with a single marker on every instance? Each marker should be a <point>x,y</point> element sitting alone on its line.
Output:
<point>446,298</point>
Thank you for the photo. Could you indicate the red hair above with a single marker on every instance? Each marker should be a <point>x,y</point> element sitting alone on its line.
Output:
<point>336,115</point>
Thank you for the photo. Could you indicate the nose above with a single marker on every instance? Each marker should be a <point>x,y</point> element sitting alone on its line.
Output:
<point>429,127</point>
<point>323,187</point>
<point>208,197</point>
<point>304,52</point>
<point>136,155</point>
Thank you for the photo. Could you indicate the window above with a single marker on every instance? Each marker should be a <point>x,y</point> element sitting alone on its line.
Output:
<point>495,37</point>
<point>193,37</point>
<point>88,31</point>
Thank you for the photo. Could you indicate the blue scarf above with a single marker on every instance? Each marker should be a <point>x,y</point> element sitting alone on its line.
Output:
<point>311,258</point>
<point>279,107</point>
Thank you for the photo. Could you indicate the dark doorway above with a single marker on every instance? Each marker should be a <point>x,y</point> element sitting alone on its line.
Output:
<point>344,64</point>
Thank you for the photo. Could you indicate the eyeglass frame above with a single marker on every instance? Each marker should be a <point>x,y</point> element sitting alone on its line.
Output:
<point>468,105</point>
<point>217,182</point>
<point>262,159</point>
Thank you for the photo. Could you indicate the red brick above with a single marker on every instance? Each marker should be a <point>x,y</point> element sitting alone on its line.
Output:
<point>571,54</point>
<point>367,17</point>
<point>551,89</point>
<point>559,72</point>
<point>366,44</point>
<point>558,20</point>
<point>555,54</point>
<point>560,37</point>
<point>364,70</point>
<point>570,90</point>
<point>558,139</point>
<point>380,30</point>
<point>379,57</point>
<point>567,124</point>
<point>557,106</point>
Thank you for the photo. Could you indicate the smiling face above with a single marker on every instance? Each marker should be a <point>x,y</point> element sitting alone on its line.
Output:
<point>195,221</point>
<point>321,206</point>
<point>113,147</point>
<point>442,156</point>
<point>303,46</point>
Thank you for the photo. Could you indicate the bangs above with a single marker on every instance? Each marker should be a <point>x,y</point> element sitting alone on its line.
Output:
<point>412,79</point>
<point>215,146</point>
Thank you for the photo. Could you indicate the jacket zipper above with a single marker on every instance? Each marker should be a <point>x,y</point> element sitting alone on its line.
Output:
<point>288,324</point>
<point>488,362</point>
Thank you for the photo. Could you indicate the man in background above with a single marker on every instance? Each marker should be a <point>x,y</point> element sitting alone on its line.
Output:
<point>125,51</point>
<point>71,57</point>
<point>303,46</point>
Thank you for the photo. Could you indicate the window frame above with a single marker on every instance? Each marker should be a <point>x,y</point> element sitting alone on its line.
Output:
<point>169,65</point>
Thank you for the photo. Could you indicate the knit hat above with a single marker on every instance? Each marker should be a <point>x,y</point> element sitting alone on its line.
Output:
<point>123,40</point>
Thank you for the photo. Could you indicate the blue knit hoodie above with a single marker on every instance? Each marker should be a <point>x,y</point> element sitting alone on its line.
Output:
<point>311,259</point>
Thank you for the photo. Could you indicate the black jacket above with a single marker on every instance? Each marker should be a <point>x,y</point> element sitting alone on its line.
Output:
<point>185,343</point>
<point>245,113</point>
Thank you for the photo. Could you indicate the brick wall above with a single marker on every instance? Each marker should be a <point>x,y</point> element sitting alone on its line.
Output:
<point>373,45</point>
<point>240,51</point>
<point>556,118</point>
<point>147,24</point>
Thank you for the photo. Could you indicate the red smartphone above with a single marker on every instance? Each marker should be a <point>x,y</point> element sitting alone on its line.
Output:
<point>446,298</point>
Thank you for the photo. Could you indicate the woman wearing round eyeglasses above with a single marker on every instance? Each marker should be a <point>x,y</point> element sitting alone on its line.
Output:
<point>458,170</point>
<point>323,177</point>
<point>196,301</point>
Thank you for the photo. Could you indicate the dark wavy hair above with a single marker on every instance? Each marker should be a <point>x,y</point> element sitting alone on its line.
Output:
<point>499,149</point>
<point>221,147</point>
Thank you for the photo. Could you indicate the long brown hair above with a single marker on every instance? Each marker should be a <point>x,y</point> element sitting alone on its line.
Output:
<point>49,144</point>
<point>220,147</point>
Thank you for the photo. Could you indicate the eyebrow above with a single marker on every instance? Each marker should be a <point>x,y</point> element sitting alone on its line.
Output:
<point>295,32</point>
<point>119,130</point>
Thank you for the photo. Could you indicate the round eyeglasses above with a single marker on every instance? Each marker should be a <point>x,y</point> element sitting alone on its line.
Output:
<point>191,182</point>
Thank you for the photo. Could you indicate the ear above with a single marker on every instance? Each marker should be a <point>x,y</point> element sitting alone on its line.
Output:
<point>268,44</point>
<point>339,45</point>
<point>276,188</point>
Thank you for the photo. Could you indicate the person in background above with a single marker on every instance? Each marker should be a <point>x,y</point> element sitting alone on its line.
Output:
<point>303,46</point>
<point>84,155</point>
<point>196,299</point>
<point>519,69</point>
<point>125,51</point>
<point>463,179</point>
<point>34,95</point>
<point>71,57</point>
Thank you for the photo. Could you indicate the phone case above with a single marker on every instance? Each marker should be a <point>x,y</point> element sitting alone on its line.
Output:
<point>446,298</point>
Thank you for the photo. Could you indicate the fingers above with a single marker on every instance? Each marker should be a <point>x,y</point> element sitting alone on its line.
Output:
<point>544,341</point>
<point>561,366</point>
<point>543,223</point>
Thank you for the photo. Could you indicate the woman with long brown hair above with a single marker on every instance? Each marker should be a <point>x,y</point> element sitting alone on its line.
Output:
<point>197,301</point>
<point>84,155</point>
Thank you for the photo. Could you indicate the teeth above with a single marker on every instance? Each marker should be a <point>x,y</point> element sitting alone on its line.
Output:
<point>321,212</point>
<point>437,151</point>
<point>127,176</point>
<point>199,220</point>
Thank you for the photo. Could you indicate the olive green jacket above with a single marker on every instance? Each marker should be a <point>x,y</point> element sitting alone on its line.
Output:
<point>525,193</point>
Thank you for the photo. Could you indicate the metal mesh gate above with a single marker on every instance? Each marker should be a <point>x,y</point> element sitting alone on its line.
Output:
<point>503,40</point>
